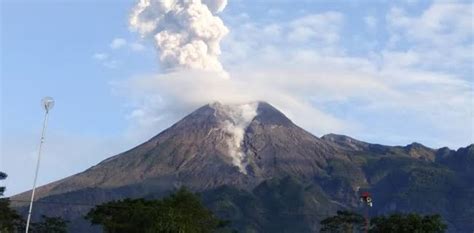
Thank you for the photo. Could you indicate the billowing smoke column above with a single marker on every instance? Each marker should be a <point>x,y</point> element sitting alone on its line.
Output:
<point>186,33</point>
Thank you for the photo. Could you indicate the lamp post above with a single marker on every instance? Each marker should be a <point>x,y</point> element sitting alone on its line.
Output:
<point>48,104</point>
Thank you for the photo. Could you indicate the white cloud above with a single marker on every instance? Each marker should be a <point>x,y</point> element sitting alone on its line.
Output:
<point>370,22</point>
<point>304,80</point>
<point>105,60</point>
<point>323,27</point>
<point>118,43</point>
<point>175,94</point>
<point>109,61</point>
<point>317,31</point>
<point>441,37</point>
<point>111,64</point>
<point>442,24</point>
<point>135,46</point>
<point>100,56</point>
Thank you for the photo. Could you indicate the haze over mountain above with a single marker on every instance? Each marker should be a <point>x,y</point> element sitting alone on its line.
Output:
<point>253,166</point>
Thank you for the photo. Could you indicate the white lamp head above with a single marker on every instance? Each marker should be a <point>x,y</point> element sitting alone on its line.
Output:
<point>47,103</point>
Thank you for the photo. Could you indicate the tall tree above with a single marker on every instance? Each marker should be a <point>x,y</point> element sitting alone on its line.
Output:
<point>181,212</point>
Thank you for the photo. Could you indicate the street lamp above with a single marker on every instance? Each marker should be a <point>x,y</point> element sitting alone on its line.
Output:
<point>47,103</point>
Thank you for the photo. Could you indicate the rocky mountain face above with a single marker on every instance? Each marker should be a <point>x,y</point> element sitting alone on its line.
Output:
<point>253,166</point>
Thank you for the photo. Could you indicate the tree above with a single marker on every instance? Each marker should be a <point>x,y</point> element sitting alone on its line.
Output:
<point>343,222</point>
<point>407,223</point>
<point>10,220</point>
<point>2,188</point>
<point>50,225</point>
<point>181,212</point>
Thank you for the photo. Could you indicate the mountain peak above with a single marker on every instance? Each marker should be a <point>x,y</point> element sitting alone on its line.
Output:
<point>239,114</point>
<point>244,113</point>
<point>267,114</point>
<point>234,119</point>
<point>418,150</point>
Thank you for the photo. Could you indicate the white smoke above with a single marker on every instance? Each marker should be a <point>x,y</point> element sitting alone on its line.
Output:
<point>240,116</point>
<point>186,33</point>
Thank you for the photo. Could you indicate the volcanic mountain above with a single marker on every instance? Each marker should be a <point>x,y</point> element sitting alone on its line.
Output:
<point>253,166</point>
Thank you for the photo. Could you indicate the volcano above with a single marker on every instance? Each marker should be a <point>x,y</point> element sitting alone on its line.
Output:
<point>255,167</point>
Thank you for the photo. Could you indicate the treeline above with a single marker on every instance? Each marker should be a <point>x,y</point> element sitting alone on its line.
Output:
<point>350,222</point>
<point>183,212</point>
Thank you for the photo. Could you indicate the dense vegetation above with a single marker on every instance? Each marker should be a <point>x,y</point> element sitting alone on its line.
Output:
<point>180,212</point>
<point>350,222</point>
<point>344,221</point>
<point>407,223</point>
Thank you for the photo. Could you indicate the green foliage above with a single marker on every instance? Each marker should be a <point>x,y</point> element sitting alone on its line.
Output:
<point>343,222</point>
<point>349,222</point>
<point>2,177</point>
<point>10,220</point>
<point>407,223</point>
<point>50,225</point>
<point>181,212</point>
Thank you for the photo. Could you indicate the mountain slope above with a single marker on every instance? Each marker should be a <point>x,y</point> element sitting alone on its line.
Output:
<point>255,167</point>
<point>215,139</point>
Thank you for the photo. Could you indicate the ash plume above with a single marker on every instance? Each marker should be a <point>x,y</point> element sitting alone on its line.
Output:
<point>186,33</point>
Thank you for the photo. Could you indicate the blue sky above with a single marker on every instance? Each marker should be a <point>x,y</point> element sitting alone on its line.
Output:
<point>389,72</point>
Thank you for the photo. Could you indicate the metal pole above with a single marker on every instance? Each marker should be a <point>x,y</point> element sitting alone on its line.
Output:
<point>45,122</point>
